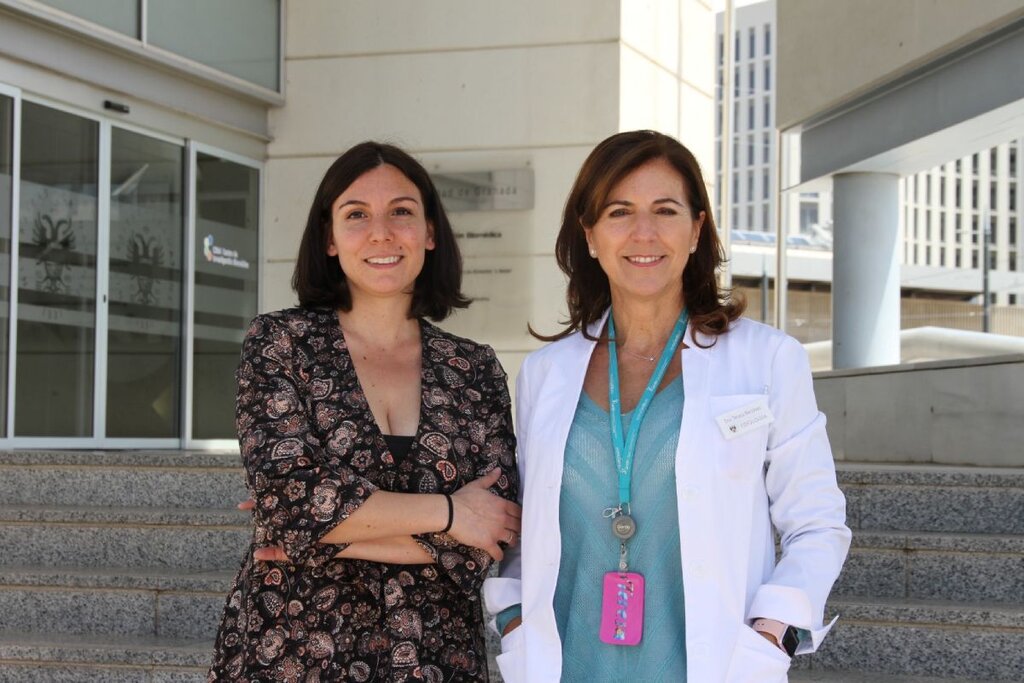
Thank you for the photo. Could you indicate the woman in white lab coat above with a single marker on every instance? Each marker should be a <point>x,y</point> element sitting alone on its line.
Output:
<point>661,438</point>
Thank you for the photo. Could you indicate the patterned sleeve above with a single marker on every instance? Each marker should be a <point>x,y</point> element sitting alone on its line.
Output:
<point>299,497</point>
<point>491,430</point>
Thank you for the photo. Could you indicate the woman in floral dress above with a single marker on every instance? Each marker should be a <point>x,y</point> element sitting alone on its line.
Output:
<point>378,450</point>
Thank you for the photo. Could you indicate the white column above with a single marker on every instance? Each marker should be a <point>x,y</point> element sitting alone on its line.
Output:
<point>865,270</point>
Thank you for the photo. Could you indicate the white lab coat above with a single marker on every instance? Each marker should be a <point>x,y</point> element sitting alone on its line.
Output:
<point>729,492</point>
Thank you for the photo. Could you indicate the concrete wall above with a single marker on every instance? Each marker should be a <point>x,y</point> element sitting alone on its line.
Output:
<point>480,86</point>
<point>831,52</point>
<point>963,412</point>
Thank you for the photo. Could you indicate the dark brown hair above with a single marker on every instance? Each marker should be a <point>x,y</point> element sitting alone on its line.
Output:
<point>588,294</point>
<point>318,278</point>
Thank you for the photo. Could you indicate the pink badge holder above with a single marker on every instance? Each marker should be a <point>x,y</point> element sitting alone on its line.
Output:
<point>622,608</point>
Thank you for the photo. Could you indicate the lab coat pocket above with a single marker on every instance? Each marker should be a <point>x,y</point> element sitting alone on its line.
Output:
<point>512,661</point>
<point>756,660</point>
<point>740,433</point>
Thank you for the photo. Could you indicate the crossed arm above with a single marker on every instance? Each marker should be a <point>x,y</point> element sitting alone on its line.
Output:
<point>309,508</point>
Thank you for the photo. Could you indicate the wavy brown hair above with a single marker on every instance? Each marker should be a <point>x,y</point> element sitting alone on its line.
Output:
<point>588,294</point>
<point>318,279</point>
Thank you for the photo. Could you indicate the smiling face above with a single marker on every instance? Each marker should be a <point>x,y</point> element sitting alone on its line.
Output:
<point>644,234</point>
<point>379,234</point>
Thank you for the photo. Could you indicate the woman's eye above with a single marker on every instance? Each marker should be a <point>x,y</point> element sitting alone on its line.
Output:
<point>617,213</point>
<point>667,211</point>
<point>356,215</point>
<point>403,211</point>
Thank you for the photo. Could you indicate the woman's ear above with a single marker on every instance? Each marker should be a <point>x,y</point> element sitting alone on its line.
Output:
<point>430,243</point>
<point>698,225</point>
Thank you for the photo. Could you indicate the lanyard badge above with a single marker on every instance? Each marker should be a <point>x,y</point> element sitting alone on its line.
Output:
<point>622,609</point>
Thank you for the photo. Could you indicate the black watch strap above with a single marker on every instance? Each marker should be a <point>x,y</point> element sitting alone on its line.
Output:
<point>790,640</point>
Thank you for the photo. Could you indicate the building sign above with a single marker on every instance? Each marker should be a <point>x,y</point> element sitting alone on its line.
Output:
<point>222,255</point>
<point>508,190</point>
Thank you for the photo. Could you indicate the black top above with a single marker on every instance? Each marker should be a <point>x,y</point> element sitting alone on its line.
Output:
<point>399,446</point>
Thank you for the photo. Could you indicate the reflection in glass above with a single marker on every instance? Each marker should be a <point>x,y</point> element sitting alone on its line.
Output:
<point>239,37</point>
<point>120,15</point>
<point>144,329</point>
<point>56,274</point>
<point>227,244</point>
<point>6,187</point>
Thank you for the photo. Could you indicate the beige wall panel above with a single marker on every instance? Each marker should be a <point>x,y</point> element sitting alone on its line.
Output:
<point>291,184</point>
<point>454,100</point>
<point>677,35</point>
<point>698,46</point>
<point>322,28</point>
<point>653,98</point>
<point>649,95</point>
<point>277,285</point>
<point>652,29</point>
<point>554,171</point>
<point>532,292</point>
<point>829,52</point>
<point>696,129</point>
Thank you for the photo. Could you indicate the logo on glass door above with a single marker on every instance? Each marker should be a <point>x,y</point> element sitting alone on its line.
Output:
<point>144,255</point>
<point>53,238</point>
<point>222,255</point>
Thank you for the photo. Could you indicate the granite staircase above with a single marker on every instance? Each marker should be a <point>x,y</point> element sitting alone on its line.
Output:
<point>115,565</point>
<point>934,585</point>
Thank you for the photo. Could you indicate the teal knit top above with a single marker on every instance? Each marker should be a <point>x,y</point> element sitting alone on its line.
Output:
<point>589,485</point>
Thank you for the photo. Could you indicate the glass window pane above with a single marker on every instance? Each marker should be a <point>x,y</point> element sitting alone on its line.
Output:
<point>146,245</point>
<point>119,15</point>
<point>239,37</point>
<point>56,273</point>
<point>6,188</point>
<point>227,253</point>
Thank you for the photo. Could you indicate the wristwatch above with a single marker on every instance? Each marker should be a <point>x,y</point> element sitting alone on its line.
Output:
<point>790,640</point>
<point>786,637</point>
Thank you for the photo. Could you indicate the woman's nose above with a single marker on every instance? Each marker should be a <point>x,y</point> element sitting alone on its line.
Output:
<point>380,230</point>
<point>644,227</point>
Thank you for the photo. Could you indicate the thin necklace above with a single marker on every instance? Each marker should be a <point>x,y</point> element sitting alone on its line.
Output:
<point>649,359</point>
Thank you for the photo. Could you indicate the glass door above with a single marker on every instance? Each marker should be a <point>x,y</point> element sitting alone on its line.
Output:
<point>134,264</point>
<point>8,173</point>
<point>56,289</point>
<point>144,316</point>
<point>225,245</point>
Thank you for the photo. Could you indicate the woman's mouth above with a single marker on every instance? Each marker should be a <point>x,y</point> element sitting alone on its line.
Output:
<point>383,260</point>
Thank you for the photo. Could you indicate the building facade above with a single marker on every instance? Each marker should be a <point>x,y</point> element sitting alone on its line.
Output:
<point>157,160</point>
<point>943,217</point>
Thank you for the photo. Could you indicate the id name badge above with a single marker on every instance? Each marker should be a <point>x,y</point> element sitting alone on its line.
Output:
<point>622,608</point>
<point>745,418</point>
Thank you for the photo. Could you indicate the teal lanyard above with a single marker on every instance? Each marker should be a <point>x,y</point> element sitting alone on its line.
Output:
<point>625,448</point>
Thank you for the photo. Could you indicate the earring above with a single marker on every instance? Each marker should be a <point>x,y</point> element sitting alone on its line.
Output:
<point>693,249</point>
<point>593,253</point>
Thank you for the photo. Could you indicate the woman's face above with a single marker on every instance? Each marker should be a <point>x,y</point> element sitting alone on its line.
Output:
<point>380,234</point>
<point>645,232</point>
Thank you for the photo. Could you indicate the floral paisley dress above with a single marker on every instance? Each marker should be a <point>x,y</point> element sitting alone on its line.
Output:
<point>313,453</point>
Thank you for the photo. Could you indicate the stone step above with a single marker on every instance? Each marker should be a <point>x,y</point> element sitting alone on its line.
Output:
<point>961,641</point>
<point>30,658</point>
<point>799,676</point>
<point>134,479</point>
<point>71,536</point>
<point>934,566</point>
<point>114,602</point>
<point>933,498</point>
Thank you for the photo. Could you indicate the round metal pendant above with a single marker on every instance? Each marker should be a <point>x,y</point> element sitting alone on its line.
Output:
<point>623,527</point>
